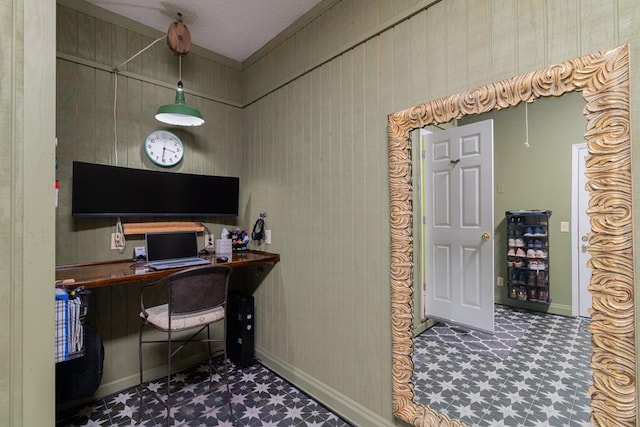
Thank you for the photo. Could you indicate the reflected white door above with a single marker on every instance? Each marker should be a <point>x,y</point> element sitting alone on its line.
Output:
<point>580,233</point>
<point>458,206</point>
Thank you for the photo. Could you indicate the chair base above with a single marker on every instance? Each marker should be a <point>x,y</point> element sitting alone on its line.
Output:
<point>196,299</point>
<point>211,392</point>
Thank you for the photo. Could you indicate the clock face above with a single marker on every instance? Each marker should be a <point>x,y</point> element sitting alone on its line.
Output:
<point>163,148</point>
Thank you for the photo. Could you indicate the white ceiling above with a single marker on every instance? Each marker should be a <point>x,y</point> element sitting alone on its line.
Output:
<point>233,28</point>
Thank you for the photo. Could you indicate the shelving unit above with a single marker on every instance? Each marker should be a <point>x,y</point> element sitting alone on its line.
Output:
<point>528,255</point>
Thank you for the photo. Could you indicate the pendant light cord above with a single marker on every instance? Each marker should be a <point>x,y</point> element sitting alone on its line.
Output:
<point>116,71</point>
<point>115,126</point>
<point>120,240</point>
<point>139,52</point>
<point>526,125</point>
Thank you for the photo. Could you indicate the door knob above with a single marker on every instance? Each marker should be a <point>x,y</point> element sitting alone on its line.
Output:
<point>585,246</point>
<point>585,238</point>
<point>486,236</point>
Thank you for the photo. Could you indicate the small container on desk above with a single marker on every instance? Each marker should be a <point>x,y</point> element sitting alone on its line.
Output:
<point>239,247</point>
<point>239,240</point>
<point>223,246</point>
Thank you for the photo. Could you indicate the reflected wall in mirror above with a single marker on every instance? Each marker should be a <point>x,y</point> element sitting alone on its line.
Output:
<point>603,80</point>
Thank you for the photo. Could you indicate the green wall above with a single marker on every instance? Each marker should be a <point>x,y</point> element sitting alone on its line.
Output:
<point>311,139</point>
<point>91,42</point>
<point>317,103</point>
<point>537,177</point>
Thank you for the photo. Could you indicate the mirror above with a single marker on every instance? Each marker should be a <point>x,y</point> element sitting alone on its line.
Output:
<point>603,80</point>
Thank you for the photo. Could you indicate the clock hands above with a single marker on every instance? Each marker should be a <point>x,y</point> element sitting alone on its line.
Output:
<point>164,149</point>
<point>172,150</point>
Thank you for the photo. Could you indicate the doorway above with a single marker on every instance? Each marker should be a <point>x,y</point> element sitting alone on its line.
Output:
<point>581,229</point>
<point>458,218</point>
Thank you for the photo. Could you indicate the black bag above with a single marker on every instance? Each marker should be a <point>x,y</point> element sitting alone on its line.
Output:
<point>81,377</point>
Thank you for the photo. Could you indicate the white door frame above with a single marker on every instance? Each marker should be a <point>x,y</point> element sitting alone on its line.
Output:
<point>423,215</point>
<point>575,233</point>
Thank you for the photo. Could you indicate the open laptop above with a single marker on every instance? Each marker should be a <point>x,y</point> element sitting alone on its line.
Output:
<point>172,250</point>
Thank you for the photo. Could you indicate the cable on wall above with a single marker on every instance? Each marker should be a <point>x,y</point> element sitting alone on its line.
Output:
<point>526,125</point>
<point>208,239</point>
<point>120,241</point>
<point>116,70</point>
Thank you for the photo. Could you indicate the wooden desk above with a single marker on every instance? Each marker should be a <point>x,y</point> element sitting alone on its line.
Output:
<point>100,274</point>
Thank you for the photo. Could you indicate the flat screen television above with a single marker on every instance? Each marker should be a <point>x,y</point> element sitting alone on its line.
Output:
<point>114,191</point>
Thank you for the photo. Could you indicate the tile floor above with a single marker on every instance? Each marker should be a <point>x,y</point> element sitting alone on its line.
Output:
<point>538,379</point>
<point>259,398</point>
<point>533,372</point>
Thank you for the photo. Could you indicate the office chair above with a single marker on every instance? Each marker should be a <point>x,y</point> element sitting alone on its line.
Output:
<point>197,298</point>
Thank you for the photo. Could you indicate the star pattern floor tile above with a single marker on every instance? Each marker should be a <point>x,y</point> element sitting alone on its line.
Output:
<point>259,398</point>
<point>510,326</point>
<point>533,372</point>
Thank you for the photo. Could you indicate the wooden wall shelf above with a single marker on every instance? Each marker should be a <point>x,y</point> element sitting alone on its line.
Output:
<point>149,227</point>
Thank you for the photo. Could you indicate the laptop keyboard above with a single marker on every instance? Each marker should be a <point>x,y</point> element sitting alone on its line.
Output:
<point>176,264</point>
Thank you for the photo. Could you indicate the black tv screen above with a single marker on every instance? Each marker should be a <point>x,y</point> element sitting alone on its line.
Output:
<point>112,191</point>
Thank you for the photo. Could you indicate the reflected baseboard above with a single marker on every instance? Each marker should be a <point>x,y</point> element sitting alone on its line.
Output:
<point>559,309</point>
<point>553,308</point>
<point>423,326</point>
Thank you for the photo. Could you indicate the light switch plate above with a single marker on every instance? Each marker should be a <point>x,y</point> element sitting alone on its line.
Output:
<point>564,226</point>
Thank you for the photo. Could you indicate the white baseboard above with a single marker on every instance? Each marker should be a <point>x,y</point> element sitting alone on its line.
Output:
<point>348,409</point>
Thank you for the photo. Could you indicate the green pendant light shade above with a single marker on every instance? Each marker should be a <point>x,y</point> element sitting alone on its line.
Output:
<point>179,113</point>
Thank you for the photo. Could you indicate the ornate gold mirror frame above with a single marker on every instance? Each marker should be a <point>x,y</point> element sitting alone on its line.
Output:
<point>603,79</point>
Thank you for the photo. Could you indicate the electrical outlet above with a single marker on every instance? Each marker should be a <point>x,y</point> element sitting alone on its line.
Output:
<point>500,281</point>
<point>113,241</point>
<point>267,237</point>
<point>564,226</point>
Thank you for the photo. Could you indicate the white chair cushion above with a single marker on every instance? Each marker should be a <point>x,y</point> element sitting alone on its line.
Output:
<point>159,317</point>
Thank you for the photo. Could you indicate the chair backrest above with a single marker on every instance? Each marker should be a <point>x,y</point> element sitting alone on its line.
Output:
<point>198,289</point>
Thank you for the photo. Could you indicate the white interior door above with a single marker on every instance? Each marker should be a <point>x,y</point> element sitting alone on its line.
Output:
<point>581,273</point>
<point>458,221</point>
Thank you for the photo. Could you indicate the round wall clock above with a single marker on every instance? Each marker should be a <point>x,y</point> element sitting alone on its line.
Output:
<point>163,148</point>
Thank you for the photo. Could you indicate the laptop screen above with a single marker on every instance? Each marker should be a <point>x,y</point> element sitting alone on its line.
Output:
<point>171,245</point>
